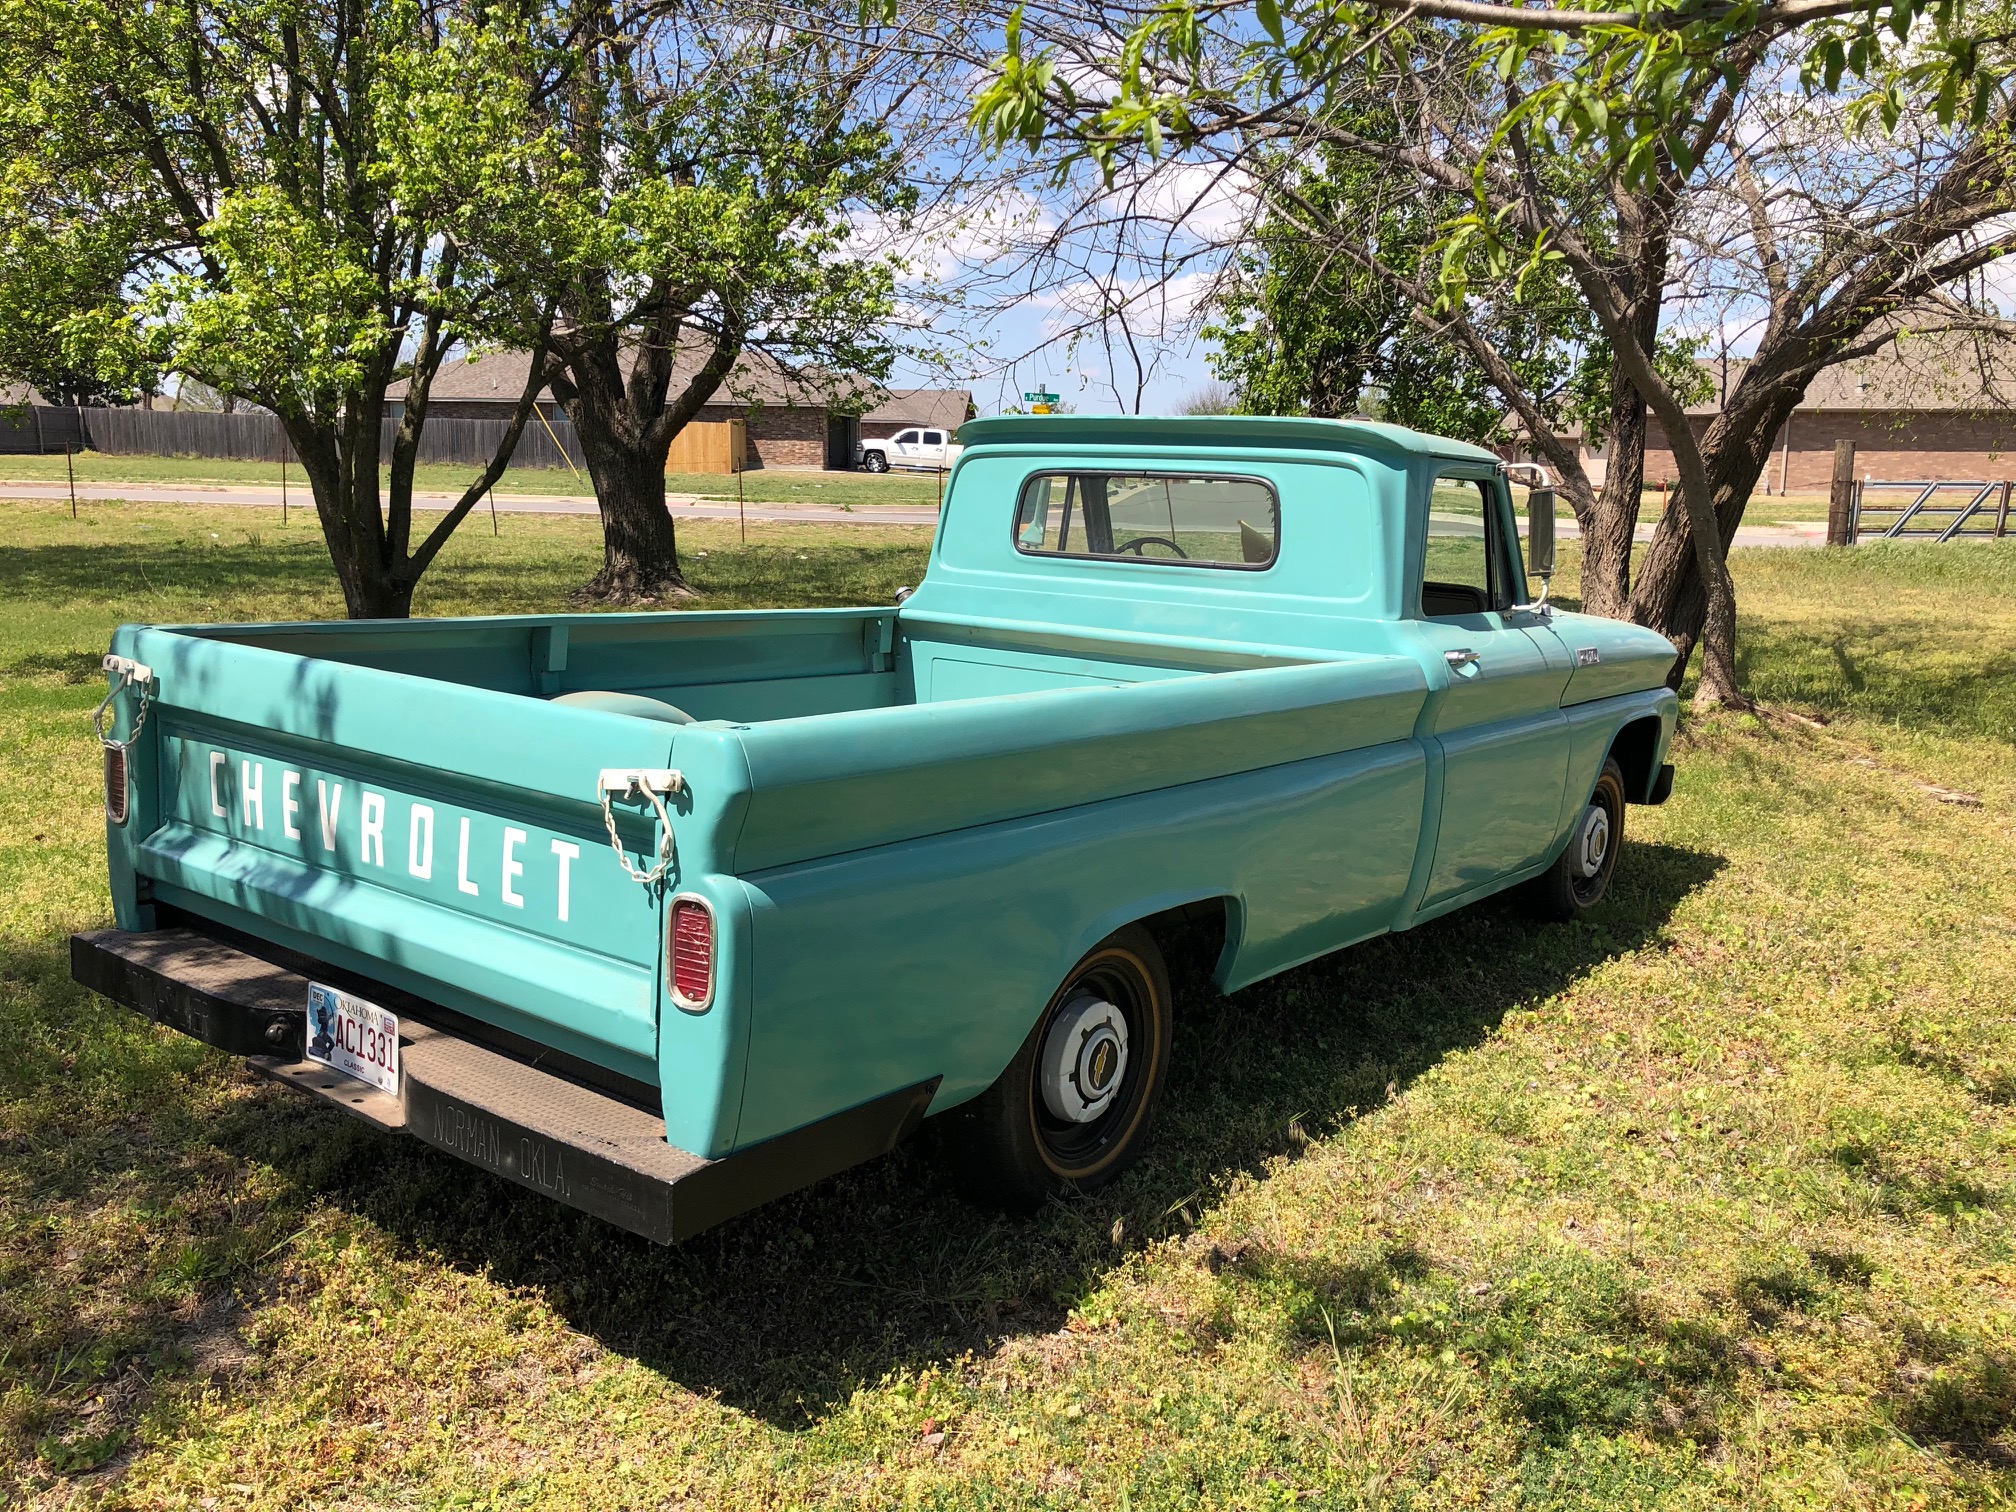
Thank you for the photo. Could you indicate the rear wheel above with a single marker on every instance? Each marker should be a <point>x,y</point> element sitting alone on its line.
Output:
<point>1073,1108</point>
<point>1580,879</point>
<point>874,461</point>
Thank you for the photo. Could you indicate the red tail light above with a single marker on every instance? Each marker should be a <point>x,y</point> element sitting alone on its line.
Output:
<point>692,953</point>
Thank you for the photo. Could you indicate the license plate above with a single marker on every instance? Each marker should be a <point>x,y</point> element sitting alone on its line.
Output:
<point>350,1035</point>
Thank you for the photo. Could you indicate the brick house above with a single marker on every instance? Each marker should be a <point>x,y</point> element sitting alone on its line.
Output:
<point>792,418</point>
<point>1930,408</point>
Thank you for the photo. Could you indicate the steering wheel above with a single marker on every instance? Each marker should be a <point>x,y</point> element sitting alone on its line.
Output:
<point>1138,542</point>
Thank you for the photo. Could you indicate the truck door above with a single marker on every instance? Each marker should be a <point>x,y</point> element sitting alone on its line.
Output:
<point>1504,739</point>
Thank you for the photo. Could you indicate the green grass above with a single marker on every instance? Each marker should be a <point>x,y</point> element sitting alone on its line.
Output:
<point>1706,1202</point>
<point>762,487</point>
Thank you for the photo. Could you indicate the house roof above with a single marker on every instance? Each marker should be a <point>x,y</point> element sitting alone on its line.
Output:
<point>1951,371</point>
<point>947,409</point>
<point>755,378</point>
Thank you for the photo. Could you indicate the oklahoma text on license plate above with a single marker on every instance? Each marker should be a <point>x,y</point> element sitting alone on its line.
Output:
<point>353,1036</point>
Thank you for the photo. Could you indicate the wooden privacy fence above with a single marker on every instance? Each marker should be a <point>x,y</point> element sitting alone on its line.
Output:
<point>41,428</point>
<point>183,433</point>
<point>709,446</point>
<point>259,438</point>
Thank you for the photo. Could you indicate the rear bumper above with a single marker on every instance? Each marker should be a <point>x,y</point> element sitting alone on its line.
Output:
<point>577,1145</point>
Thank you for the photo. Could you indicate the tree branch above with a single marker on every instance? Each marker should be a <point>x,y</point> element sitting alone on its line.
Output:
<point>1767,18</point>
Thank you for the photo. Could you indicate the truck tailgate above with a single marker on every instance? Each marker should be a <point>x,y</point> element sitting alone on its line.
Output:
<point>449,837</point>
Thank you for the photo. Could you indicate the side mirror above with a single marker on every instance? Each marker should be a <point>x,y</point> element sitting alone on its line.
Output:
<point>1540,533</point>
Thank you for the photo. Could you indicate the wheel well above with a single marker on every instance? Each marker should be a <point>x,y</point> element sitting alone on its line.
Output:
<point>1194,933</point>
<point>1636,750</point>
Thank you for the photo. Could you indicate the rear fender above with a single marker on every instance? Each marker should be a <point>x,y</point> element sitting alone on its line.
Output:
<point>1121,915</point>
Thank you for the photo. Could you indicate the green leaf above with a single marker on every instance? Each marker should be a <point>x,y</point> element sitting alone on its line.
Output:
<point>1268,13</point>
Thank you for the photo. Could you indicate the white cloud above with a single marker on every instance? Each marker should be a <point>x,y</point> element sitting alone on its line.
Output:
<point>950,240</point>
<point>1157,308</point>
<point>1201,203</point>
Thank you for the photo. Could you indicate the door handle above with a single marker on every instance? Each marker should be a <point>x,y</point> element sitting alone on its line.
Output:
<point>1460,659</point>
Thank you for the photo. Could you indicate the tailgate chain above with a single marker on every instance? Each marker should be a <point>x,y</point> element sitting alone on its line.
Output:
<point>129,674</point>
<point>650,784</point>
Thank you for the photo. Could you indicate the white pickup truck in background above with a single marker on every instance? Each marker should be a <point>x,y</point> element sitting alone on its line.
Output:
<point>919,448</point>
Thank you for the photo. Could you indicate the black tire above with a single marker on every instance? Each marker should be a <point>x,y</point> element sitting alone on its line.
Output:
<point>1008,1147</point>
<point>875,462</point>
<point>1580,878</point>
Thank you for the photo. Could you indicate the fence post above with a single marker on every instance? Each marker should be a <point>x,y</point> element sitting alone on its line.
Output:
<point>2002,511</point>
<point>1841,497</point>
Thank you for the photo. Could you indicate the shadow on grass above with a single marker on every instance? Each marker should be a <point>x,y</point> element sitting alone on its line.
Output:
<point>1907,673</point>
<point>297,564</point>
<point>786,1311</point>
<point>103,1124</point>
<point>69,666</point>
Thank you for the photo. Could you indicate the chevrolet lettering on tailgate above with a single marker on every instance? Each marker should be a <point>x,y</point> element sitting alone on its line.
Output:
<point>344,825</point>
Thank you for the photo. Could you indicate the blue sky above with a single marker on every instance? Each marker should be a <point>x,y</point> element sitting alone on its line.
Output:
<point>1004,282</point>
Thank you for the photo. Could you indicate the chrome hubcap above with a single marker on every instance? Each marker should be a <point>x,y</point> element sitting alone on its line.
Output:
<point>1084,1059</point>
<point>1592,841</point>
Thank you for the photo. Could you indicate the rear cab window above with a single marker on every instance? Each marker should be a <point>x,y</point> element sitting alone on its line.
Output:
<point>1471,565</point>
<point>1185,519</point>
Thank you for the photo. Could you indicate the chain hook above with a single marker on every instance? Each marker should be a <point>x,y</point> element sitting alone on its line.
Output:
<point>648,785</point>
<point>127,673</point>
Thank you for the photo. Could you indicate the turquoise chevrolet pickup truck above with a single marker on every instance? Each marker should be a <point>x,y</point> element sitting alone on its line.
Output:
<point>664,915</point>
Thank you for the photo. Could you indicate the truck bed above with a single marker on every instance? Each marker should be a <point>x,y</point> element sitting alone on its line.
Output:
<point>408,802</point>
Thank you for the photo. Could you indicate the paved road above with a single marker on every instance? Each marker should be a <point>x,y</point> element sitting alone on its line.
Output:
<point>683,505</point>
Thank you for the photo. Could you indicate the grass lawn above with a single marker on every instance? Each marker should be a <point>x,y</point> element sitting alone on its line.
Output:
<point>1706,1202</point>
<point>765,487</point>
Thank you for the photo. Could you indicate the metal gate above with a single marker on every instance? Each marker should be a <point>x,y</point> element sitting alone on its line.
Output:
<point>1929,510</point>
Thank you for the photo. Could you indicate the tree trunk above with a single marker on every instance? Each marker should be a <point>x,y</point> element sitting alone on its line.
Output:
<point>626,426</point>
<point>1736,448</point>
<point>1612,527</point>
<point>640,546</point>
<point>1643,222</point>
<point>345,489</point>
